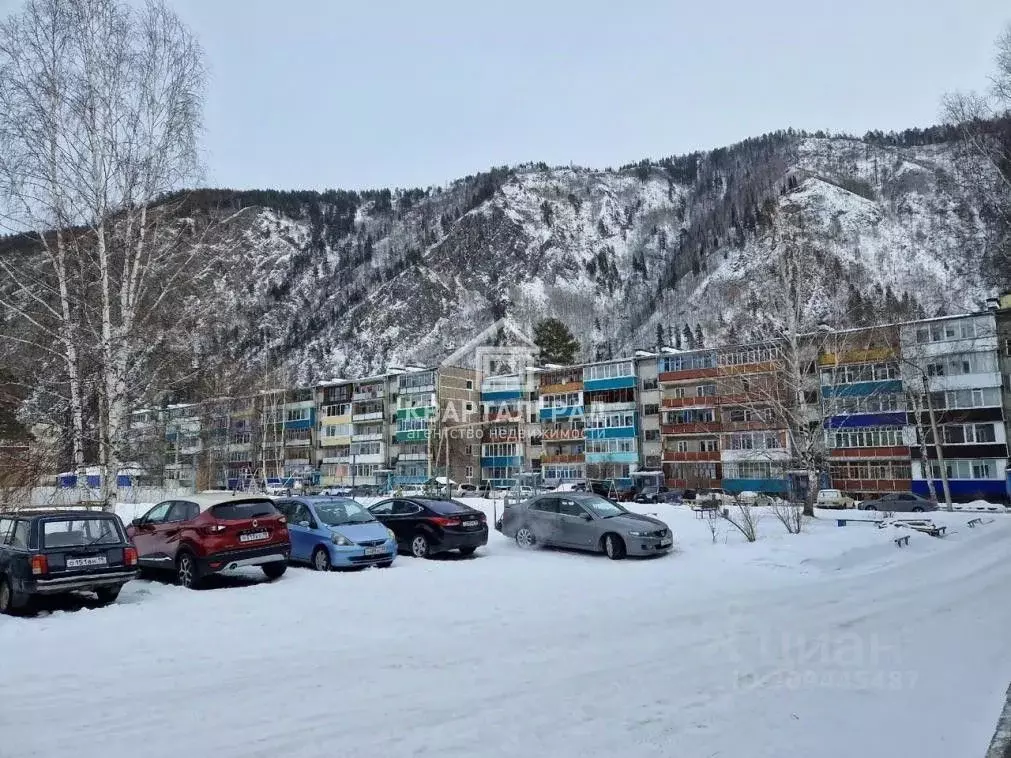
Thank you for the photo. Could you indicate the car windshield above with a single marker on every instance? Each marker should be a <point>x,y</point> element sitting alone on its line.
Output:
<point>80,532</point>
<point>337,512</point>
<point>602,507</point>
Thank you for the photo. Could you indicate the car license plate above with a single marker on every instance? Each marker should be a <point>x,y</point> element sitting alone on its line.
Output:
<point>666,543</point>
<point>253,536</point>
<point>97,560</point>
<point>377,550</point>
<point>470,523</point>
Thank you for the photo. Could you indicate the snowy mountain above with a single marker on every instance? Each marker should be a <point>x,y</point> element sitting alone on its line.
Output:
<point>344,283</point>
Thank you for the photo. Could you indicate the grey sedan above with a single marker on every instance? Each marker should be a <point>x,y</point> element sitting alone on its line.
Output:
<point>585,521</point>
<point>898,501</point>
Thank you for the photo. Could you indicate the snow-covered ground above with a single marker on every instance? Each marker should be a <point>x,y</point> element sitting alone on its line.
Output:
<point>830,643</point>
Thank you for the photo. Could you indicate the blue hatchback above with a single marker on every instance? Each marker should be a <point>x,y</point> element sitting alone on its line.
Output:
<point>336,532</point>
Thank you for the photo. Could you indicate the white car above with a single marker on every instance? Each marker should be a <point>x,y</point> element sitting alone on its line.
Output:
<point>749,497</point>
<point>834,499</point>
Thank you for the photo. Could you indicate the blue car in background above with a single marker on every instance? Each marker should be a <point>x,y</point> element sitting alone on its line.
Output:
<point>336,532</point>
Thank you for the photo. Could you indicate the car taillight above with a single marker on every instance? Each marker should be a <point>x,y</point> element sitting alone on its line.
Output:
<point>214,528</point>
<point>40,565</point>
<point>443,521</point>
<point>282,519</point>
<point>130,556</point>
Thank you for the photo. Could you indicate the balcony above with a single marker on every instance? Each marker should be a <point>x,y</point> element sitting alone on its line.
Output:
<point>561,389</point>
<point>598,408</point>
<point>368,394</point>
<point>564,458</point>
<point>692,401</point>
<point>371,416</point>
<point>368,437</point>
<point>337,459</point>
<point>692,456</point>
<point>297,442</point>
<point>842,453</point>
<point>697,427</point>
<point>561,435</point>
<point>687,374</point>
<point>560,411</point>
<point>296,461</point>
<point>412,457</point>
<point>858,356</point>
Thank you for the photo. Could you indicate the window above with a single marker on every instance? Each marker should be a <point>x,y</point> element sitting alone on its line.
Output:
<point>984,433</point>
<point>682,446</point>
<point>80,532</point>
<point>468,407</point>
<point>608,371</point>
<point>470,384</point>
<point>469,472</point>
<point>544,505</point>
<point>468,450</point>
<point>181,511</point>
<point>651,435</point>
<point>611,420</point>
<point>157,514</point>
<point>415,381</point>
<point>297,414</point>
<point>6,527</point>
<point>343,409</point>
<point>867,437</point>
<point>384,508</point>
<point>691,416</point>
<point>686,362</point>
<point>19,537</point>
<point>569,508</point>
<point>651,409</point>
<point>649,384</point>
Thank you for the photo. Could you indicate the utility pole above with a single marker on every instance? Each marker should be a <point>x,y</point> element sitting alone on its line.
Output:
<point>937,446</point>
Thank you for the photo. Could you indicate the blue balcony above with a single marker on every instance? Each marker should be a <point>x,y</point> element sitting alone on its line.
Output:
<point>303,424</point>
<point>863,389</point>
<point>851,420</point>
<point>612,432</point>
<point>768,486</point>
<point>501,395</point>
<point>565,411</point>
<point>502,461</point>
<point>617,383</point>
<point>965,489</point>
<point>612,457</point>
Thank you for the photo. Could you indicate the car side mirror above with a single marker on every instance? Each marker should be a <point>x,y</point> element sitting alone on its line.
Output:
<point>304,523</point>
<point>587,517</point>
<point>137,521</point>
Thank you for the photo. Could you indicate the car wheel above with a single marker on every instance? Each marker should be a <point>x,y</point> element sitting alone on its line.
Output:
<point>467,550</point>
<point>419,546</point>
<point>321,559</point>
<point>869,508</point>
<point>918,509</point>
<point>385,564</point>
<point>275,569</point>
<point>525,538</point>
<point>10,601</point>
<point>614,547</point>
<point>107,595</point>
<point>186,571</point>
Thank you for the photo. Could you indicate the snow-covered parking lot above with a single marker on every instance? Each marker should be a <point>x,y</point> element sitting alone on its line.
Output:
<point>830,643</point>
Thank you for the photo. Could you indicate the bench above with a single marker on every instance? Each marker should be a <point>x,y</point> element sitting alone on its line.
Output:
<point>926,527</point>
<point>974,522</point>
<point>705,511</point>
<point>903,540</point>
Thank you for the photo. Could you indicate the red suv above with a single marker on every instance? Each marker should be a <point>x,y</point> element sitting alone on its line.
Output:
<point>197,535</point>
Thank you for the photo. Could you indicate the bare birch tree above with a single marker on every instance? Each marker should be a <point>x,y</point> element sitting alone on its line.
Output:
<point>102,108</point>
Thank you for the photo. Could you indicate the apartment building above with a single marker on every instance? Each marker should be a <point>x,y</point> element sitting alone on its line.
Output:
<point>650,441</point>
<point>689,419</point>
<point>560,412</point>
<point>864,405</point>
<point>334,430</point>
<point>510,439</point>
<point>954,363</point>
<point>610,419</point>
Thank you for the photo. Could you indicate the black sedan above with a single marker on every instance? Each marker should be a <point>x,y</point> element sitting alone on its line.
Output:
<point>426,526</point>
<point>51,552</point>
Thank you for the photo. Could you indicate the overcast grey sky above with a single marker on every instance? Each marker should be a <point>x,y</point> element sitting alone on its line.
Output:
<point>329,93</point>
